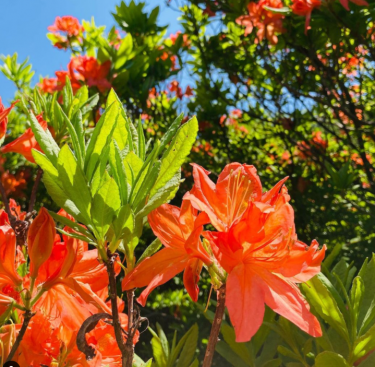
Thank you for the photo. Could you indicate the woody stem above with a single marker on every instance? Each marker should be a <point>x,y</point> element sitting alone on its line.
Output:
<point>215,329</point>
<point>131,330</point>
<point>110,264</point>
<point>35,190</point>
<point>26,319</point>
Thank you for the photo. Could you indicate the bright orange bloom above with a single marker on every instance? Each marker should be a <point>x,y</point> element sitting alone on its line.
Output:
<point>40,345</point>
<point>68,25</point>
<point>4,112</point>
<point>179,231</point>
<point>8,271</point>
<point>267,22</point>
<point>102,339</point>
<point>40,239</point>
<point>305,8</point>
<point>258,248</point>
<point>91,71</point>
<point>226,201</point>
<point>26,142</point>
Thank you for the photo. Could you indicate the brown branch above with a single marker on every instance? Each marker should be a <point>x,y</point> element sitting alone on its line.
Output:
<point>215,329</point>
<point>26,319</point>
<point>5,201</point>
<point>110,264</point>
<point>132,328</point>
<point>35,190</point>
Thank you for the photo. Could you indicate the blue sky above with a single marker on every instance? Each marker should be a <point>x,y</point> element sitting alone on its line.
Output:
<point>23,28</point>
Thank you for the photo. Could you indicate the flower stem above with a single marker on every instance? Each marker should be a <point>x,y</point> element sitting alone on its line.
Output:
<point>26,319</point>
<point>131,330</point>
<point>215,329</point>
<point>110,264</point>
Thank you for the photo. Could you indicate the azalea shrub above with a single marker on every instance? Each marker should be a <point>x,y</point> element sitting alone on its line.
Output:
<point>152,222</point>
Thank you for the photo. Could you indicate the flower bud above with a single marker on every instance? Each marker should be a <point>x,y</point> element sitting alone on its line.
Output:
<point>40,240</point>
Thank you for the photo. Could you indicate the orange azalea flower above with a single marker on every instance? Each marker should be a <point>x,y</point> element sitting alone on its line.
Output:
<point>179,231</point>
<point>267,22</point>
<point>89,69</point>
<point>305,8</point>
<point>26,142</point>
<point>102,339</point>
<point>226,201</point>
<point>40,240</point>
<point>258,248</point>
<point>4,112</point>
<point>68,25</point>
<point>39,346</point>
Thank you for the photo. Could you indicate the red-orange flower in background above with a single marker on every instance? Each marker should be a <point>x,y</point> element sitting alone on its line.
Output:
<point>25,143</point>
<point>68,25</point>
<point>91,71</point>
<point>345,3</point>
<point>179,231</point>
<point>40,239</point>
<point>268,23</point>
<point>305,8</point>
<point>4,112</point>
<point>258,248</point>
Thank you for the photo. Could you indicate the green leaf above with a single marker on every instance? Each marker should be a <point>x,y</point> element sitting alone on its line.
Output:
<point>104,206</point>
<point>177,152</point>
<point>141,141</point>
<point>158,352</point>
<point>163,340</point>
<point>124,51</point>
<point>120,135</point>
<point>364,344</point>
<point>325,305</point>
<point>133,164</point>
<point>100,139</point>
<point>170,133</point>
<point>74,182</point>
<point>76,236</point>
<point>45,164</point>
<point>356,296</point>
<point>283,10</point>
<point>189,348</point>
<point>74,225</point>
<point>118,171</point>
<point>150,250</point>
<point>162,196</point>
<point>367,307</point>
<point>227,353</point>
<point>60,197</point>
<point>330,359</point>
<point>145,188</point>
<point>44,138</point>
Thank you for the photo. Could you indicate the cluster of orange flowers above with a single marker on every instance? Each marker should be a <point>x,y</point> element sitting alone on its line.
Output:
<point>81,70</point>
<point>254,250</point>
<point>64,29</point>
<point>269,22</point>
<point>64,286</point>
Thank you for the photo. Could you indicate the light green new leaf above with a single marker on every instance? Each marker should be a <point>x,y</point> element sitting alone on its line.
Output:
<point>330,359</point>
<point>141,141</point>
<point>356,296</point>
<point>77,236</point>
<point>100,139</point>
<point>364,344</point>
<point>60,197</point>
<point>104,206</point>
<point>124,51</point>
<point>170,133</point>
<point>44,138</point>
<point>118,171</point>
<point>325,305</point>
<point>133,164</point>
<point>158,352</point>
<point>162,196</point>
<point>120,135</point>
<point>177,152</point>
<point>187,346</point>
<point>45,164</point>
<point>367,308</point>
<point>74,182</point>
